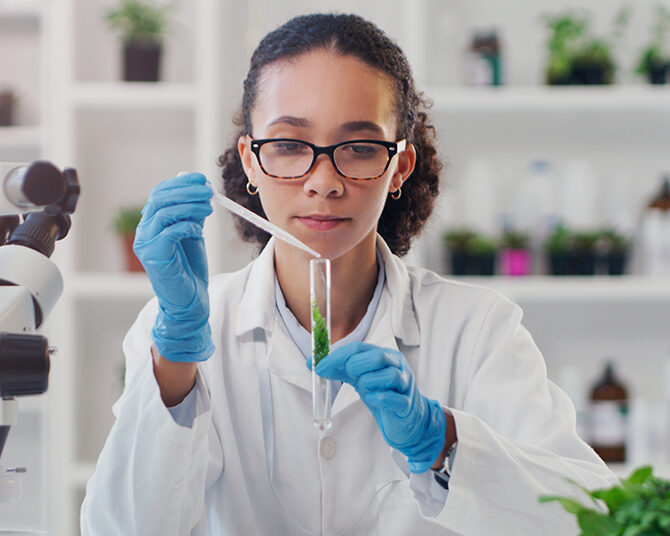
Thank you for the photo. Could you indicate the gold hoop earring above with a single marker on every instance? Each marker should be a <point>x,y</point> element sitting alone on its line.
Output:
<point>396,194</point>
<point>249,188</point>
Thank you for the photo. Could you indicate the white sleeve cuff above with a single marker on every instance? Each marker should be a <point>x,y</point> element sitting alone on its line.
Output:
<point>430,496</point>
<point>193,405</point>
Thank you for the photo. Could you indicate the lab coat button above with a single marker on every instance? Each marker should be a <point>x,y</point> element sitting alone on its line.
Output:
<point>328,448</point>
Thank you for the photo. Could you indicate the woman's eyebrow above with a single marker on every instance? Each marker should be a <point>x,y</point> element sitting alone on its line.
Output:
<point>350,126</point>
<point>290,120</point>
<point>355,126</point>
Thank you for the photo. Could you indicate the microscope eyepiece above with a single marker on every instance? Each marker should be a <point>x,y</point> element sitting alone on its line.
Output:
<point>43,183</point>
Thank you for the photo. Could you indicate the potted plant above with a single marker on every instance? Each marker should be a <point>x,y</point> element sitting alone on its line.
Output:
<point>637,505</point>
<point>515,258</point>
<point>593,63</point>
<point>565,30</point>
<point>141,25</point>
<point>125,223</point>
<point>481,255</point>
<point>614,249</point>
<point>654,61</point>
<point>584,254</point>
<point>576,55</point>
<point>8,101</point>
<point>558,248</point>
<point>456,242</point>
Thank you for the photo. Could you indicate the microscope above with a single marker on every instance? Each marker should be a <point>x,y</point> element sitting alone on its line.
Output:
<point>36,201</point>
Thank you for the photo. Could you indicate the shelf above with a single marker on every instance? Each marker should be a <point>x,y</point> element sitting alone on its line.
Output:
<point>123,285</point>
<point>125,95</point>
<point>551,99</point>
<point>20,137</point>
<point>11,10</point>
<point>109,285</point>
<point>623,470</point>
<point>30,404</point>
<point>80,473</point>
<point>601,289</point>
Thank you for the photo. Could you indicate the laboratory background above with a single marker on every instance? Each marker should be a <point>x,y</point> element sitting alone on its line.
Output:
<point>553,118</point>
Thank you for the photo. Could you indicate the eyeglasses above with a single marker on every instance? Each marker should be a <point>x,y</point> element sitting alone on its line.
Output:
<point>286,158</point>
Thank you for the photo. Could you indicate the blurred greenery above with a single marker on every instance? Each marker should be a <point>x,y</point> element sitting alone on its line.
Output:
<point>126,219</point>
<point>638,506</point>
<point>656,55</point>
<point>139,20</point>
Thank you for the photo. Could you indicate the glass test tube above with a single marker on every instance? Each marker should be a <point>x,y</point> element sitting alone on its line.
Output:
<point>319,287</point>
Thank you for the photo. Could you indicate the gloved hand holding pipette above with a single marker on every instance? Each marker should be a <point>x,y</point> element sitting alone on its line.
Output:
<point>170,246</point>
<point>409,422</point>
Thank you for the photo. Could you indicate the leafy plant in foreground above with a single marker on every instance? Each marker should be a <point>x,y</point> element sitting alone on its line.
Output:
<point>638,506</point>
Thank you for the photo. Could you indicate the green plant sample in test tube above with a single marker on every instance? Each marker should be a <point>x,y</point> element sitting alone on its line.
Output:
<point>321,347</point>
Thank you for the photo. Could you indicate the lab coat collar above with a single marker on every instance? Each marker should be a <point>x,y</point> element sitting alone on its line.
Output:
<point>258,309</point>
<point>381,334</point>
<point>398,283</point>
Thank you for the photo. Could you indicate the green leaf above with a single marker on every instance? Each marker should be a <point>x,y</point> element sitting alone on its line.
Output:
<point>596,524</point>
<point>569,505</point>
<point>633,531</point>
<point>612,497</point>
<point>639,476</point>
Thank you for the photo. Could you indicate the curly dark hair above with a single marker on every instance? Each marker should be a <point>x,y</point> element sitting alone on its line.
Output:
<point>401,220</point>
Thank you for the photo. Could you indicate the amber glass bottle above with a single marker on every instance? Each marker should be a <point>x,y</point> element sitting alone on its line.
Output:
<point>609,412</point>
<point>661,201</point>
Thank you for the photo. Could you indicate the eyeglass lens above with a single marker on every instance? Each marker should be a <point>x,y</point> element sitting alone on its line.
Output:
<point>293,158</point>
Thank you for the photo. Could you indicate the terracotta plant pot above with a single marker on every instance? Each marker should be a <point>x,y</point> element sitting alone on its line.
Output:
<point>141,61</point>
<point>133,264</point>
<point>7,105</point>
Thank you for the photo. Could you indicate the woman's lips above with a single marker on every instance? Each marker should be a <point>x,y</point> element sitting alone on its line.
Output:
<point>320,223</point>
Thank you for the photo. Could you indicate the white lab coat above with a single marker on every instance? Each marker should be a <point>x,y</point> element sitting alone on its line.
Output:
<point>468,350</point>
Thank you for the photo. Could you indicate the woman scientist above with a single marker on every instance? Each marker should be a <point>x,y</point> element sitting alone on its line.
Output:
<point>444,422</point>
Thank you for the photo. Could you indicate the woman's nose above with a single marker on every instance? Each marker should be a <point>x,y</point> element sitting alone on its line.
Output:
<point>323,178</point>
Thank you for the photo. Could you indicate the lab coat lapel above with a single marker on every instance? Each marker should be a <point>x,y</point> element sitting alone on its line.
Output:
<point>395,319</point>
<point>285,360</point>
<point>399,285</point>
<point>380,334</point>
<point>257,307</point>
<point>258,310</point>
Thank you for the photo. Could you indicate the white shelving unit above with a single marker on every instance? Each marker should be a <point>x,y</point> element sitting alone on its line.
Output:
<point>21,9</point>
<point>574,289</point>
<point>140,95</point>
<point>550,100</point>
<point>21,137</point>
<point>123,138</point>
<point>23,45</point>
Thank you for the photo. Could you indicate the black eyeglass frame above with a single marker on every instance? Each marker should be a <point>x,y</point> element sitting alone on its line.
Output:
<point>393,148</point>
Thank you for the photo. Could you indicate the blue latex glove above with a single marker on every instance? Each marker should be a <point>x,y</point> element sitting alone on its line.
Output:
<point>169,244</point>
<point>409,421</point>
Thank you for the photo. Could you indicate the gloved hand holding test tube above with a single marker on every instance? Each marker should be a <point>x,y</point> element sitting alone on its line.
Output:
<point>319,279</point>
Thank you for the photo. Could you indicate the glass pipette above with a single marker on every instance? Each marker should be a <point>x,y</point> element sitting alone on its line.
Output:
<point>264,224</point>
